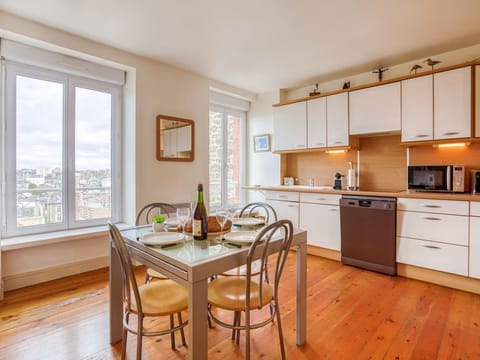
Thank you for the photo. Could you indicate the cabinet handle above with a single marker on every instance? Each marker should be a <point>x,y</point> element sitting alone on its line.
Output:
<point>451,133</point>
<point>432,218</point>
<point>432,247</point>
<point>320,199</point>
<point>421,135</point>
<point>432,206</point>
<point>292,206</point>
<point>299,146</point>
<point>332,209</point>
<point>338,142</point>
<point>320,144</point>
<point>282,196</point>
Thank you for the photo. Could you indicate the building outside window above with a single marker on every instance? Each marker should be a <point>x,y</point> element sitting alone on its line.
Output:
<point>61,136</point>
<point>226,137</point>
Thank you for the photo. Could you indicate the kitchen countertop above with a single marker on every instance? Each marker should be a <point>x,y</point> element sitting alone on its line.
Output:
<point>400,193</point>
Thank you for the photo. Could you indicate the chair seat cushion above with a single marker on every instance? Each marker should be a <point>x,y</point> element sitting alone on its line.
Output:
<point>229,293</point>
<point>162,298</point>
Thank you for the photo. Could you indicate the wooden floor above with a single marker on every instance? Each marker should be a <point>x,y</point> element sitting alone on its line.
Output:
<point>352,314</point>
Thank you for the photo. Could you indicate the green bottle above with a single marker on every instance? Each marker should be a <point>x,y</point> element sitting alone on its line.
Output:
<point>200,217</point>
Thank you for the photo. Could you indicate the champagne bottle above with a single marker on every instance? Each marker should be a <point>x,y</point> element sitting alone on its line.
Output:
<point>200,217</point>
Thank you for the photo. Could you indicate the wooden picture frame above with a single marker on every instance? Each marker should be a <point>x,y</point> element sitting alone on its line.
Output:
<point>261,143</point>
<point>175,138</point>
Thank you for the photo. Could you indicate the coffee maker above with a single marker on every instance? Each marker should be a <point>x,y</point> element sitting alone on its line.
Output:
<point>337,181</point>
<point>475,182</point>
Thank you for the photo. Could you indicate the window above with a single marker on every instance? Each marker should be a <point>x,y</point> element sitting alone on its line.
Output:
<point>60,150</point>
<point>226,129</point>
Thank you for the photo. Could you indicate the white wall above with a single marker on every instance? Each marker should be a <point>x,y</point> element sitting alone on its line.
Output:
<point>152,88</point>
<point>263,167</point>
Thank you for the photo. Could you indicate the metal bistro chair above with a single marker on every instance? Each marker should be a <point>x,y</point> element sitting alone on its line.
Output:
<point>144,216</point>
<point>255,209</point>
<point>231,293</point>
<point>155,299</point>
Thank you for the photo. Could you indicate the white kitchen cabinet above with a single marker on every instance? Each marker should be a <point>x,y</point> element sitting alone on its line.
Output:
<point>184,141</point>
<point>375,109</point>
<point>285,204</point>
<point>477,101</point>
<point>320,216</point>
<point>452,103</point>
<point>290,126</point>
<point>433,234</point>
<point>474,262</point>
<point>417,109</point>
<point>317,123</point>
<point>337,120</point>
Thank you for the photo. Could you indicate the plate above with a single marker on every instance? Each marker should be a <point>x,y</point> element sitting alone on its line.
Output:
<point>240,237</point>
<point>171,222</point>
<point>248,221</point>
<point>161,238</point>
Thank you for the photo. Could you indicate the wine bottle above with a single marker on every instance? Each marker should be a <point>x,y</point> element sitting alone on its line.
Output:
<point>200,217</point>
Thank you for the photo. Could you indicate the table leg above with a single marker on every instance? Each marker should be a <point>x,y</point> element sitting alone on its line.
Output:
<point>116,306</point>
<point>302,294</point>
<point>197,320</point>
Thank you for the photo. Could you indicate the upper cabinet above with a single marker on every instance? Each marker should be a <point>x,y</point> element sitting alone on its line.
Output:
<point>327,119</point>
<point>290,127</point>
<point>337,120</point>
<point>417,109</point>
<point>375,109</point>
<point>477,101</point>
<point>452,104</point>
<point>317,122</point>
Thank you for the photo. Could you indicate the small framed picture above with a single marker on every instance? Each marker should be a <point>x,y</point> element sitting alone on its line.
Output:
<point>261,143</point>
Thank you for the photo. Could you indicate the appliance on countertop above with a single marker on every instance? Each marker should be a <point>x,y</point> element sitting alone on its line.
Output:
<point>442,178</point>
<point>368,225</point>
<point>475,181</point>
<point>338,181</point>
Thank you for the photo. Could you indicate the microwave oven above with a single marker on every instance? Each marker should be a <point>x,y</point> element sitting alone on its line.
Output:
<point>444,178</point>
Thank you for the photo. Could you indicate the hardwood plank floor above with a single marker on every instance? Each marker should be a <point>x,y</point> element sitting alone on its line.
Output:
<point>352,314</point>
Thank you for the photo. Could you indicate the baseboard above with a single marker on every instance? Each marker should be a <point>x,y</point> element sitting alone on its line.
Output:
<point>440,278</point>
<point>38,276</point>
<point>323,252</point>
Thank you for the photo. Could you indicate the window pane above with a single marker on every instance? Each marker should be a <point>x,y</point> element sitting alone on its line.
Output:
<point>39,132</point>
<point>232,176</point>
<point>215,159</point>
<point>93,117</point>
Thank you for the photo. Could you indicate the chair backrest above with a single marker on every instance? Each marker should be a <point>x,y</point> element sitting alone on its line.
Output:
<point>266,210</point>
<point>145,214</point>
<point>130,284</point>
<point>281,230</point>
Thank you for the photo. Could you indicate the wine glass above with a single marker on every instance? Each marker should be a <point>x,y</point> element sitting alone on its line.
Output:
<point>222,217</point>
<point>183,215</point>
<point>231,214</point>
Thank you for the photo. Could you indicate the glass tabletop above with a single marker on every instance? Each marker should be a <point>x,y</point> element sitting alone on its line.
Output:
<point>188,251</point>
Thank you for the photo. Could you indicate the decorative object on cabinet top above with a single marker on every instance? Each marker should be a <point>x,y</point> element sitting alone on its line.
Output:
<point>415,68</point>
<point>315,91</point>
<point>432,63</point>
<point>380,72</point>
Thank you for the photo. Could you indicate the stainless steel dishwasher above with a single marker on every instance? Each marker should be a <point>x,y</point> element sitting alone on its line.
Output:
<point>367,226</point>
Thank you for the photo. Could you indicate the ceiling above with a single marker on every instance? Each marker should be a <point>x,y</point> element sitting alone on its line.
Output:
<point>265,45</point>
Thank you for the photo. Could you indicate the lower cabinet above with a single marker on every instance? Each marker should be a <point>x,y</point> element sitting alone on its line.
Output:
<point>433,234</point>
<point>285,204</point>
<point>474,239</point>
<point>320,216</point>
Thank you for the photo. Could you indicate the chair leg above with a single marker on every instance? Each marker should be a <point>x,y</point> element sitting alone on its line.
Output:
<point>234,324</point>
<point>182,333</point>
<point>172,334</point>
<point>280,332</point>
<point>239,321</point>
<point>124,343</point>
<point>139,337</point>
<point>209,308</point>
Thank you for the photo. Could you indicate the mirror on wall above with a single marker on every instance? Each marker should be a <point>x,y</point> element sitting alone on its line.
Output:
<point>175,139</point>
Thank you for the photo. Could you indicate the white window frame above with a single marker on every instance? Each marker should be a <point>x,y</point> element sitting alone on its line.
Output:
<point>243,116</point>
<point>9,220</point>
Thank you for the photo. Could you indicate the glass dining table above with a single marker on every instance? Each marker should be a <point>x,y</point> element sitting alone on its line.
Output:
<point>191,263</point>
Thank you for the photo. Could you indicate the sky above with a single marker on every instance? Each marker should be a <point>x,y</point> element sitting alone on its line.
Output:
<point>40,127</point>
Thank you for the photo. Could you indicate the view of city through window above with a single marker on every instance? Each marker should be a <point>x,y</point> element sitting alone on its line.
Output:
<point>42,152</point>
<point>224,159</point>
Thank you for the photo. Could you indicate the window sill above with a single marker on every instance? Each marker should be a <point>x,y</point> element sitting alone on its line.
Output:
<point>20,242</point>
